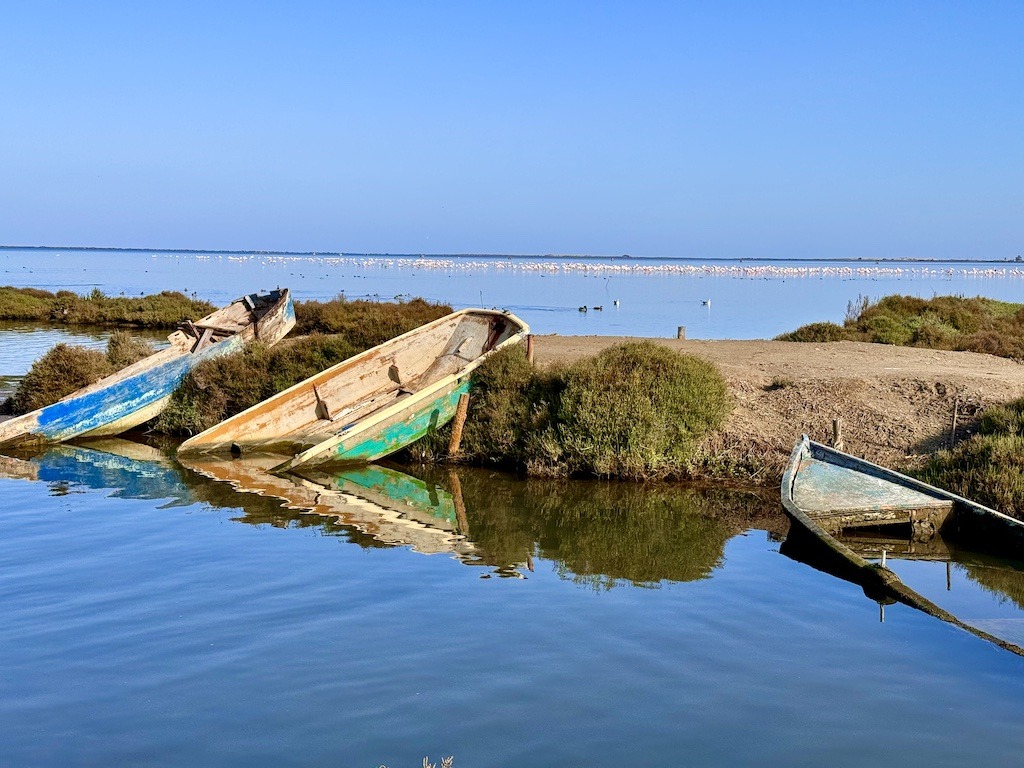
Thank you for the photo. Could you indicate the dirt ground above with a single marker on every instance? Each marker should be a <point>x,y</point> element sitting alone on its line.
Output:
<point>895,404</point>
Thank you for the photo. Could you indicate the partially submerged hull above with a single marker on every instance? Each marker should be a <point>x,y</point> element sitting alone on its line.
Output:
<point>139,392</point>
<point>373,404</point>
<point>826,491</point>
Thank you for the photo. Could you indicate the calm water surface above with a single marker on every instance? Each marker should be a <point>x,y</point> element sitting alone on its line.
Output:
<point>157,615</point>
<point>162,614</point>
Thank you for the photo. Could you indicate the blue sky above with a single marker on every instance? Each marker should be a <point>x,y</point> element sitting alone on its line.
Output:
<point>713,129</point>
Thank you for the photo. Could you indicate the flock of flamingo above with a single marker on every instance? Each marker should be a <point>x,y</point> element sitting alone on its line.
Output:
<point>632,267</point>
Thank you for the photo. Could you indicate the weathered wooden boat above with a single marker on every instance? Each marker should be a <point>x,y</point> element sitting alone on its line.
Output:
<point>137,393</point>
<point>826,492</point>
<point>374,403</point>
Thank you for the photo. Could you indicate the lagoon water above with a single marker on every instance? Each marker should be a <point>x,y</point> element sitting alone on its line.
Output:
<point>749,299</point>
<point>154,614</point>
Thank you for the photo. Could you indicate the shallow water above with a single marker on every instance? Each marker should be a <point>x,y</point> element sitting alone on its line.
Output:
<point>153,615</point>
<point>746,299</point>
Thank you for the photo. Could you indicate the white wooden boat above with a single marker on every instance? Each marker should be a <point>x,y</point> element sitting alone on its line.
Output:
<point>138,392</point>
<point>373,404</point>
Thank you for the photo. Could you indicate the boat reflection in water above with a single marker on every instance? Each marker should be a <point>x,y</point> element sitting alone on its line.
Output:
<point>384,504</point>
<point>978,591</point>
<point>126,468</point>
<point>596,534</point>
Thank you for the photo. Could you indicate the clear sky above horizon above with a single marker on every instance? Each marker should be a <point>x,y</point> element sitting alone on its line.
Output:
<point>728,129</point>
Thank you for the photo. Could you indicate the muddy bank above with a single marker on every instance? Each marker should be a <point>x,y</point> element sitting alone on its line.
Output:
<point>896,403</point>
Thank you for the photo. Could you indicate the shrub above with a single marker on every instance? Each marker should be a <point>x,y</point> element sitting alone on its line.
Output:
<point>819,332</point>
<point>638,411</point>
<point>59,372</point>
<point>511,412</point>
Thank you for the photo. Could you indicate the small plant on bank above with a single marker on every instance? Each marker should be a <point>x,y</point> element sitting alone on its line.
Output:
<point>819,332</point>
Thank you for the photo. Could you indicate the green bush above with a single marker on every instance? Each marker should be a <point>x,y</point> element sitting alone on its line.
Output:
<point>638,410</point>
<point>59,372</point>
<point>943,322</point>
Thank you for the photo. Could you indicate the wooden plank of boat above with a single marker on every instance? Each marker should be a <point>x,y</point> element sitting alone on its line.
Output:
<point>139,392</point>
<point>825,490</point>
<point>374,403</point>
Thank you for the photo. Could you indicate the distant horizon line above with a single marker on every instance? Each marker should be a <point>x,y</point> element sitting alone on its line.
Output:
<point>257,251</point>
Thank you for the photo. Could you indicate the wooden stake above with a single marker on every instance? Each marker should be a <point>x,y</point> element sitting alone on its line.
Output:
<point>681,332</point>
<point>457,424</point>
<point>837,434</point>
<point>952,426</point>
<point>529,348</point>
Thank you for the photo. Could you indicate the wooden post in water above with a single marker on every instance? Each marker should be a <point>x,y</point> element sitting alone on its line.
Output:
<point>837,434</point>
<point>952,426</point>
<point>529,348</point>
<point>458,423</point>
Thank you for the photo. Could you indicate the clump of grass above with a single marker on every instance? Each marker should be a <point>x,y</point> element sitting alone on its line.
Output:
<point>942,322</point>
<point>218,388</point>
<point>162,310</point>
<point>365,324</point>
<point>780,382</point>
<point>59,372</point>
<point>986,468</point>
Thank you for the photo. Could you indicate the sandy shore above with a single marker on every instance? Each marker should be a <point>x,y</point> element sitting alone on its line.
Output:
<point>896,403</point>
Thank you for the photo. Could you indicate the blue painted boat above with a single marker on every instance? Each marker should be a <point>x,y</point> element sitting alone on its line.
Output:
<point>825,492</point>
<point>374,403</point>
<point>139,392</point>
